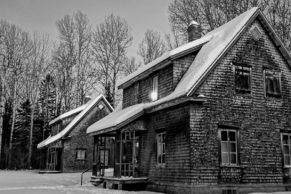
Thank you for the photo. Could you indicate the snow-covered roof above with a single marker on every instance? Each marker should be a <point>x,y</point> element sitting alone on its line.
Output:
<point>167,55</point>
<point>69,113</point>
<point>221,38</point>
<point>116,118</point>
<point>214,46</point>
<point>76,120</point>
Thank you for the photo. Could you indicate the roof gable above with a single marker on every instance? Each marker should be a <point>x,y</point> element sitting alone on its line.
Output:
<point>222,40</point>
<point>74,122</point>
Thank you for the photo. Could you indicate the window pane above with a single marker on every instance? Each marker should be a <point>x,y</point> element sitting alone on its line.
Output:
<point>224,147</point>
<point>286,149</point>
<point>232,147</point>
<point>224,158</point>
<point>285,139</point>
<point>233,158</point>
<point>286,160</point>
<point>276,85</point>
<point>242,78</point>
<point>224,135</point>
<point>232,136</point>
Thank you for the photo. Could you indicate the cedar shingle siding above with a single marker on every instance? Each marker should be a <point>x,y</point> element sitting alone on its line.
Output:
<point>192,130</point>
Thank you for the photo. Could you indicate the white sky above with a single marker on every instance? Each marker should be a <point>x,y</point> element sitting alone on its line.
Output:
<point>41,15</point>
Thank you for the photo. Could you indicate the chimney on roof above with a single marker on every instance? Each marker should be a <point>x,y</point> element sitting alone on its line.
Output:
<point>194,31</point>
<point>87,99</point>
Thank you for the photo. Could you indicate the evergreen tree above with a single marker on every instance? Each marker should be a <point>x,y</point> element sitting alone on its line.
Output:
<point>47,101</point>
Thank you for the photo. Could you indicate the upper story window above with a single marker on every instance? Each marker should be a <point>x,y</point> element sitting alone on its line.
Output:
<point>272,83</point>
<point>286,145</point>
<point>242,79</point>
<point>228,140</point>
<point>154,91</point>
<point>161,148</point>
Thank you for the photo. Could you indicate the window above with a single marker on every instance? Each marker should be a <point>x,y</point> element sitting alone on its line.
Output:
<point>242,79</point>
<point>81,154</point>
<point>154,91</point>
<point>228,147</point>
<point>286,144</point>
<point>161,145</point>
<point>272,83</point>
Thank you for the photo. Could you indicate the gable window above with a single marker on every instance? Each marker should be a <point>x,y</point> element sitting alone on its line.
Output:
<point>161,145</point>
<point>228,140</point>
<point>80,154</point>
<point>242,79</point>
<point>154,91</point>
<point>286,145</point>
<point>272,83</point>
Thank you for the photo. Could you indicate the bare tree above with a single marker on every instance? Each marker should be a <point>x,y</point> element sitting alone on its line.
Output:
<point>110,41</point>
<point>210,14</point>
<point>130,66</point>
<point>36,69</point>
<point>85,78</point>
<point>279,14</point>
<point>72,59</point>
<point>152,46</point>
<point>17,48</point>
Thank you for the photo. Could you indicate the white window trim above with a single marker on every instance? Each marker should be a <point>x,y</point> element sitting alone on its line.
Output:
<point>163,144</point>
<point>237,65</point>
<point>282,147</point>
<point>236,134</point>
<point>279,76</point>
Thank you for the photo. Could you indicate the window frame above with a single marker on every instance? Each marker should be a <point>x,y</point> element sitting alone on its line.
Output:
<point>229,153</point>
<point>161,148</point>
<point>154,92</point>
<point>77,153</point>
<point>289,146</point>
<point>242,68</point>
<point>280,83</point>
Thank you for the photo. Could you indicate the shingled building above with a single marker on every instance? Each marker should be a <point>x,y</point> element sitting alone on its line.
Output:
<point>69,148</point>
<point>213,113</point>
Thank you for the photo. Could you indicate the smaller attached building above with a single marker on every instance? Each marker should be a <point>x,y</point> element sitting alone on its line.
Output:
<point>68,148</point>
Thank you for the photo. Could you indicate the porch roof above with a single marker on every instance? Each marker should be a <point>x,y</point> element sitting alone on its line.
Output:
<point>120,118</point>
<point>117,119</point>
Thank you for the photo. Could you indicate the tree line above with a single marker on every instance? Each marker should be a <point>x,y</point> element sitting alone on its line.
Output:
<point>40,80</point>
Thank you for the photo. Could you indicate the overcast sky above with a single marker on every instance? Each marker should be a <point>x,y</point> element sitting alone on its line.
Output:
<point>41,15</point>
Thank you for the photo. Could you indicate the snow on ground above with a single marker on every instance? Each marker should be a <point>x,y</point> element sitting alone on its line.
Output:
<point>30,182</point>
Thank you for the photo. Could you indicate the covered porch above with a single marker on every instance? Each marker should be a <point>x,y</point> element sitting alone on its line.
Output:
<point>126,157</point>
<point>52,156</point>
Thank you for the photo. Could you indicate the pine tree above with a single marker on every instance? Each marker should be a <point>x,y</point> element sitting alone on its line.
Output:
<point>47,102</point>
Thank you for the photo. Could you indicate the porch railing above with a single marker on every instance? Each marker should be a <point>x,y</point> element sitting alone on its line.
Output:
<point>126,169</point>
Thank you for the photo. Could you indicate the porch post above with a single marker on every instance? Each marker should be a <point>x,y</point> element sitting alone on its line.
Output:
<point>120,154</point>
<point>104,147</point>
<point>133,153</point>
<point>47,158</point>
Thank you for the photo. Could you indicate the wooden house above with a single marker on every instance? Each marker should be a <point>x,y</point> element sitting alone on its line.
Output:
<point>68,148</point>
<point>210,115</point>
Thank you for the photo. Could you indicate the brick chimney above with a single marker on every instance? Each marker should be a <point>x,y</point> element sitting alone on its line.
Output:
<point>194,31</point>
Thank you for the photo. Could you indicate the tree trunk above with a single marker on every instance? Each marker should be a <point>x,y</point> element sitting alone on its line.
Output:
<point>1,118</point>
<point>12,126</point>
<point>31,136</point>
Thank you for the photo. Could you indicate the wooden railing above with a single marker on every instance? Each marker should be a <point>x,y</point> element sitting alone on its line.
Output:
<point>126,169</point>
